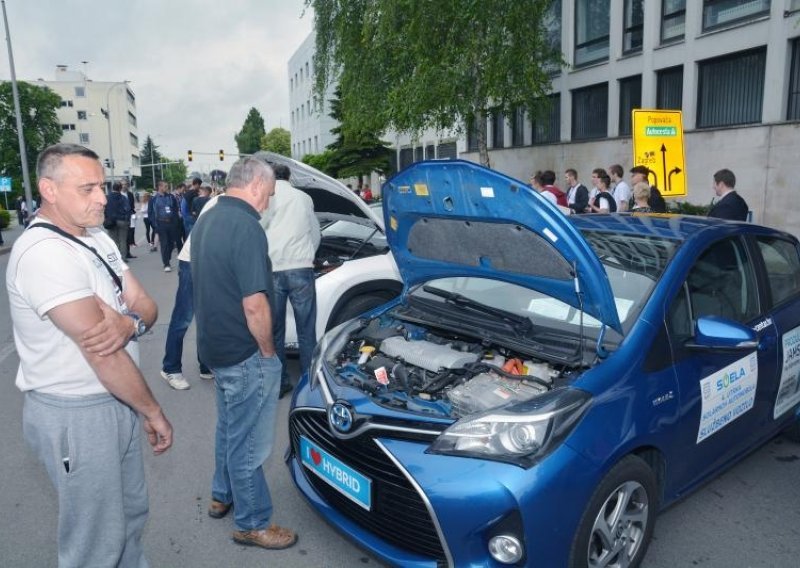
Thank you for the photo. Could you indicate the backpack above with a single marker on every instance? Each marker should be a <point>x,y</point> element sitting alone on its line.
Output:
<point>612,203</point>
<point>656,201</point>
<point>165,208</point>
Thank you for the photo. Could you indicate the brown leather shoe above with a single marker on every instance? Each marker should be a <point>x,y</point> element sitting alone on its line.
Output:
<point>273,537</point>
<point>218,510</point>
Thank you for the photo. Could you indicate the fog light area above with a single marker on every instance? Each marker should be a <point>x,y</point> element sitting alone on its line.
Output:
<point>506,549</point>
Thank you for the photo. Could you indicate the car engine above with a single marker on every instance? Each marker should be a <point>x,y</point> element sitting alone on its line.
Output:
<point>405,366</point>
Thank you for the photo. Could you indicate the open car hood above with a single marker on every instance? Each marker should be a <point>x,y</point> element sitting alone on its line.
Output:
<point>457,218</point>
<point>332,199</point>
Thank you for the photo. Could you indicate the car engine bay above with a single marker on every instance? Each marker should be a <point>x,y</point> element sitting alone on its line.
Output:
<point>405,366</point>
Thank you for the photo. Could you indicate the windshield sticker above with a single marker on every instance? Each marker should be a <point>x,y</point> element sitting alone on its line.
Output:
<point>789,389</point>
<point>762,325</point>
<point>550,234</point>
<point>404,189</point>
<point>487,192</point>
<point>727,394</point>
<point>421,189</point>
<point>393,223</point>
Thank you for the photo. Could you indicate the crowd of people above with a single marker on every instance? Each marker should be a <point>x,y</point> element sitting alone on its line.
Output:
<point>77,311</point>
<point>610,193</point>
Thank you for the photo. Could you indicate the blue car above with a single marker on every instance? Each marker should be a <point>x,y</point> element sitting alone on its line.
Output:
<point>545,384</point>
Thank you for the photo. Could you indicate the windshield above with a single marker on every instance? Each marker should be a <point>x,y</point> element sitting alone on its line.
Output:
<point>356,231</point>
<point>633,265</point>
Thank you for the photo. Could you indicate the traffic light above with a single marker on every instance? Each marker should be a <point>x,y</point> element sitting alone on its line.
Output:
<point>107,163</point>
<point>190,155</point>
<point>222,155</point>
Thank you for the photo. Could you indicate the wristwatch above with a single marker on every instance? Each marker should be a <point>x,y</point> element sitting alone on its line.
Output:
<point>139,326</point>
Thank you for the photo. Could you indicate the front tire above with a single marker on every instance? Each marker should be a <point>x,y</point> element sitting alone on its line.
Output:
<point>617,524</point>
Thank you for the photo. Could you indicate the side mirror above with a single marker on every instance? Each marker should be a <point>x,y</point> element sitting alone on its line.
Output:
<point>718,333</point>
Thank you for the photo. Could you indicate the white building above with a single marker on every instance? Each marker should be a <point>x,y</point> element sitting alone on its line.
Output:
<point>100,115</point>
<point>310,127</point>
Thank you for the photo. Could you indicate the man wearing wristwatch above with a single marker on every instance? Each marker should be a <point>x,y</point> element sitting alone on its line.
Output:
<point>75,307</point>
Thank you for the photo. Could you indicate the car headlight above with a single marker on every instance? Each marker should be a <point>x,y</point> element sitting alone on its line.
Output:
<point>329,346</point>
<point>521,433</point>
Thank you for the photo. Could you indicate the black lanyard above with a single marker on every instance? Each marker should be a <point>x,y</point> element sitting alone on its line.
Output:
<point>66,235</point>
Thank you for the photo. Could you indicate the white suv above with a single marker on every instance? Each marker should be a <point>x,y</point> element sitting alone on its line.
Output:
<point>354,268</point>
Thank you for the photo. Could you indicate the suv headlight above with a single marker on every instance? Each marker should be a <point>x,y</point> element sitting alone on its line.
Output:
<point>521,433</point>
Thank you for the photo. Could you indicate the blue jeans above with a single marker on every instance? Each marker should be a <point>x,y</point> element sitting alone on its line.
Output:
<point>182,314</point>
<point>298,287</point>
<point>247,402</point>
<point>188,223</point>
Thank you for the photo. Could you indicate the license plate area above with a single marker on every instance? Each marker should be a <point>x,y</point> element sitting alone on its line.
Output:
<point>346,480</point>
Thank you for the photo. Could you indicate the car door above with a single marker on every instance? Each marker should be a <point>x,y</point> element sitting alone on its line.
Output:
<point>719,389</point>
<point>780,260</point>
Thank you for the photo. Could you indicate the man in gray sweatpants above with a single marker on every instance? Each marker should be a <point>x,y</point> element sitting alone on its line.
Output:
<point>77,312</point>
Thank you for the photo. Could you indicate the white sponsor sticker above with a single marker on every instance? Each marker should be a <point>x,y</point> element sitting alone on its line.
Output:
<point>487,192</point>
<point>726,395</point>
<point>789,389</point>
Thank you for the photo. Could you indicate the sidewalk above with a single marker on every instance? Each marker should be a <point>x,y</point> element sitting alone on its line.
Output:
<point>10,234</point>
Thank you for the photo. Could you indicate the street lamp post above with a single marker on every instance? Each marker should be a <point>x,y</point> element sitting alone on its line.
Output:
<point>107,114</point>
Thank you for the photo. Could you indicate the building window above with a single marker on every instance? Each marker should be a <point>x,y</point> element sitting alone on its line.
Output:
<point>135,161</point>
<point>793,5</point>
<point>518,127</point>
<point>498,128</point>
<point>80,91</point>
<point>670,89</point>
<point>131,118</point>
<point>131,98</point>
<point>67,127</point>
<point>591,31</point>
<point>718,13</point>
<point>472,135</point>
<point>634,26</point>
<point>731,89</point>
<point>84,137</point>
<point>546,125</point>
<point>551,23</point>
<point>134,140</point>
<point>630,97</point>
<point>66,104</point>
<point>793,111</point>
<point>590,112</point>
<point>673,20</point>
<point>430,152</point>
<point>406,157</point>
<point>81,115</point>
<point>447,150</point>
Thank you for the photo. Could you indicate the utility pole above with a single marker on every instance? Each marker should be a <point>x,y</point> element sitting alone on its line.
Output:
<point>23,154</point>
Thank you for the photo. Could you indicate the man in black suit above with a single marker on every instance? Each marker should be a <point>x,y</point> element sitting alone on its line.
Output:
<point>729,204</point>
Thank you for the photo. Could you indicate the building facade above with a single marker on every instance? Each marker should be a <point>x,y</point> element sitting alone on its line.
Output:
<point>310,126</point>
<point>100,115</point>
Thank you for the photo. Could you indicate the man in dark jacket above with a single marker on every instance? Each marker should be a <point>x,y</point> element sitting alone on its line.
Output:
<point>163,214</point>
<point>577,194</point>
<point>729,204</point>
<point>118,210</point>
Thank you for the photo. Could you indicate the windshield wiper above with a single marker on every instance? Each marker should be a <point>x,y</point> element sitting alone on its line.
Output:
<point>520,324</point>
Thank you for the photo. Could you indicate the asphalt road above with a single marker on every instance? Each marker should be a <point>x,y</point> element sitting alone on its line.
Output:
<point>748,517</point>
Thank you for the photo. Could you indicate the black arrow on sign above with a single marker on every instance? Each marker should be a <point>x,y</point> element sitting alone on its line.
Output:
<point>675,170</point>
<point>664,166</point>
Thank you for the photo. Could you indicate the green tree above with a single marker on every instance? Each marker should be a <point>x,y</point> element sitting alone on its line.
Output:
<point>277,140</point>
<point>175,171</point>
<point>356,151</point>
<point>248,140</point>
<point>39,123</point>
<point>431,64</point>
<point>151,174</point>
<point>322,162</point>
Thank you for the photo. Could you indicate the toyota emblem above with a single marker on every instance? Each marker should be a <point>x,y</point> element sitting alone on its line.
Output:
<point>340,417</point>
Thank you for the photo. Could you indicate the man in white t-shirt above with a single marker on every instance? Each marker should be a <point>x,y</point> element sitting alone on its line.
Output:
<point>620,189</point>
<point>76,312</point>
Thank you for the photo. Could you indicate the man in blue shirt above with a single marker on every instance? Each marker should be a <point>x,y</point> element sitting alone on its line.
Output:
<point>232,280</point>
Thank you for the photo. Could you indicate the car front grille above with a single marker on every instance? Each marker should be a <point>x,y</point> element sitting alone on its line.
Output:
<point>399,515</point>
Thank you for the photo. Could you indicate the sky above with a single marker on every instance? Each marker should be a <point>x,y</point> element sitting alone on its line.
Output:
<point>196,67</point>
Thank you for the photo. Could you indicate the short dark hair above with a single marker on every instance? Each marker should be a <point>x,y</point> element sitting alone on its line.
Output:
<point>602,176</point>
<point>116,186</point>
<point>197,181</point>
<point>725,176</point>
<point>616,169</point>
<point>548,177</point>
<point>50,158</point>
<point>282,171</point>
<point>571,172</point>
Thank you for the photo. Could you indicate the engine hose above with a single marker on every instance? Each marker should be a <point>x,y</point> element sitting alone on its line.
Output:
<point>476,367</point>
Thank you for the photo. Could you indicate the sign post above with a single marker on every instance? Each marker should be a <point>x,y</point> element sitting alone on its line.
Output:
<point>5,188</point>
<point>658,145</point>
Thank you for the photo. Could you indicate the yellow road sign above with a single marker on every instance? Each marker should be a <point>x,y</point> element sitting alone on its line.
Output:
<point>658,144</point>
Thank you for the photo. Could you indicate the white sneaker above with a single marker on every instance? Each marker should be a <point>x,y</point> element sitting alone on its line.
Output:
<point>167,269</point>
<point>207,376</point>
<point>175,380</point>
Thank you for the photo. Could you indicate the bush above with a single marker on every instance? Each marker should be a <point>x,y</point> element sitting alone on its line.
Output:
<point>5,218</point>
<point>686,208</point>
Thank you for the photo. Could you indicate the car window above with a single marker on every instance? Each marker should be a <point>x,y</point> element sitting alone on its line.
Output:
<point>783,267</point>
<point>356,232</point>
<point>722,283</point>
